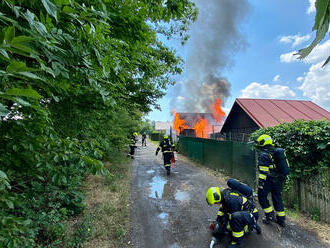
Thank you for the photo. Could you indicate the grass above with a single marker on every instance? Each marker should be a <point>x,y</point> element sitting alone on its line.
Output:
<point>104,223</point>
<point>321,229</point>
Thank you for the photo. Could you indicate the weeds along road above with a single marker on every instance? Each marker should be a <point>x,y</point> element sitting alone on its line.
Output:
<point>171,211</point>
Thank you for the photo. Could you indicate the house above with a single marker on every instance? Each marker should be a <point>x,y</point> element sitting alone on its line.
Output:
<point>248,115</point>
<point>163,126</point>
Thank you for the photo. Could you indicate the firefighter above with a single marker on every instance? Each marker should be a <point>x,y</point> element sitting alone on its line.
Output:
<point>132,145</point>
<point>144,140</point>
<point>167,149</point>
<point>237,214</point>
<point>273,169</point>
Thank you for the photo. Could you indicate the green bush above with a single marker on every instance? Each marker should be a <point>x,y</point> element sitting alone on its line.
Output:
<point>307,145</point>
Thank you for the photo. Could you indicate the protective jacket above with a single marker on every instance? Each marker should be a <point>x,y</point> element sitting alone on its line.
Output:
<point>165,146</point>
<point>272,162</point>
<point>232,201</point>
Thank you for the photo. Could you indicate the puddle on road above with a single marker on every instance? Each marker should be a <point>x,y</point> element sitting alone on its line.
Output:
<point>157,187</point>
<point>150,171</point>
<point>163,216</point>
<point>175,245</point>
<point>181,196</point>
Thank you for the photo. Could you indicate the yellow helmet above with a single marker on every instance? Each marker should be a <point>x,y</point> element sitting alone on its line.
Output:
<point>165,137</point>
<point>264,140</point>
<point>135,134</point>
<point>213,195</point>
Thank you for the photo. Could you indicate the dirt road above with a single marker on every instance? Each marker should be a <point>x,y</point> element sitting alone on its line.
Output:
<point>171,211</point>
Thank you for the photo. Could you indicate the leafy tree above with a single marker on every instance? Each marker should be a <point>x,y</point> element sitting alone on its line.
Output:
<point>321,26</point>
<point>76,77</point>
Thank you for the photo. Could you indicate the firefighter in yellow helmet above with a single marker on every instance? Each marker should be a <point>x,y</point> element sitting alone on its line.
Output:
<point>237,214</point>
<point>132,145</point>
<point>167,149</point>
<point>273,169</point>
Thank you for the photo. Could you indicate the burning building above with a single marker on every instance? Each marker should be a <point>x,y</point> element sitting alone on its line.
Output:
<point>200,125</point>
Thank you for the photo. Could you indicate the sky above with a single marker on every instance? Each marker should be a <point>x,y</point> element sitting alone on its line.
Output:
<point>255,60</point>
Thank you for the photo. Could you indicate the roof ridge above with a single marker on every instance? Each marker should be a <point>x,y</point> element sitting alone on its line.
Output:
<point>249,113</point>
<point>274,99</point>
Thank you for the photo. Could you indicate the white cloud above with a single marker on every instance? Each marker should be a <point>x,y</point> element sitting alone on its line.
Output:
<point>311,9</point>
<point>295,40</point>
<point>316,85</point>
<point>318,54</point>
<point>180,98</point>
<point>257,90</point>
<point>289,57</point>
<point>300,79</point>
<point>276,78</point>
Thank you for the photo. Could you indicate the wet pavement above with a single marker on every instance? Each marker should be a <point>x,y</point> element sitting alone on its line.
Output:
<point>170,211</point>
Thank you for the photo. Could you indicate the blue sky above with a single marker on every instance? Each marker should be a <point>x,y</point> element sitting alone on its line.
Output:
<point>266,68</point>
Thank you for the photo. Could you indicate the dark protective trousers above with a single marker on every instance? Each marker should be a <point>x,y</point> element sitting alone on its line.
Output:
<point>167,158</point>
<point>132,150</point>
<point>241,222</point>
<point>274,186</point>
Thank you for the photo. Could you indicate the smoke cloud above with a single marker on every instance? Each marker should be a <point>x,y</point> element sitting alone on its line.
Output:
<point>215,38</point>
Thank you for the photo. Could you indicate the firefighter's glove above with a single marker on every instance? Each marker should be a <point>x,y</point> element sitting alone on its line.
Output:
<point>257,228</point>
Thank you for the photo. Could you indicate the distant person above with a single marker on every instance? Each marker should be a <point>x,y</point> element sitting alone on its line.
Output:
<point>273,169</point>
<point>237,213</point>
<point>144,140</point>
<point>167,149</point>
<point>132,145</point>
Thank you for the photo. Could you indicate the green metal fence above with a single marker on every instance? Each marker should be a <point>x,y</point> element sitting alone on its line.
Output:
<point>155,136</point>
<point>236,159</point>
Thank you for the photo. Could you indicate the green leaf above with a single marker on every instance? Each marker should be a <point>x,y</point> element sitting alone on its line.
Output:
<point>22,102</point>
<point>23,43</point>
<point>16,66</point>
<point>321,12</point>
<point>10,204</point>
<point>3,111</point>
<point>9,34</point>
<point>4,53</point>
<point>30,75</point>
<point>31,93</point>
<point>50,8</point>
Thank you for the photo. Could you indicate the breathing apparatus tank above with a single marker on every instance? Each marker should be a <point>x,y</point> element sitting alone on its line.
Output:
<point>240,187</point>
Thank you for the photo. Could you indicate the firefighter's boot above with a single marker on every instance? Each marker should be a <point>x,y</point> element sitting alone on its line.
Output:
<point>281,221</point>
<point>269,217</point>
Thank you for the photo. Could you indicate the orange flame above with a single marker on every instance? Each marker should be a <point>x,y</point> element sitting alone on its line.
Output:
<point>202,128</point>
<point>218,113</point>
<point>178,124</point>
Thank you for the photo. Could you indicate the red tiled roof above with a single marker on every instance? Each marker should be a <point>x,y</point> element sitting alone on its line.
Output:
<point>271,112</point>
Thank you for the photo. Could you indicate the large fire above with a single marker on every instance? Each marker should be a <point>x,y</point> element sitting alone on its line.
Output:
<point>218,113</point>
<point>178,124</point>
<point>202,127</point>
